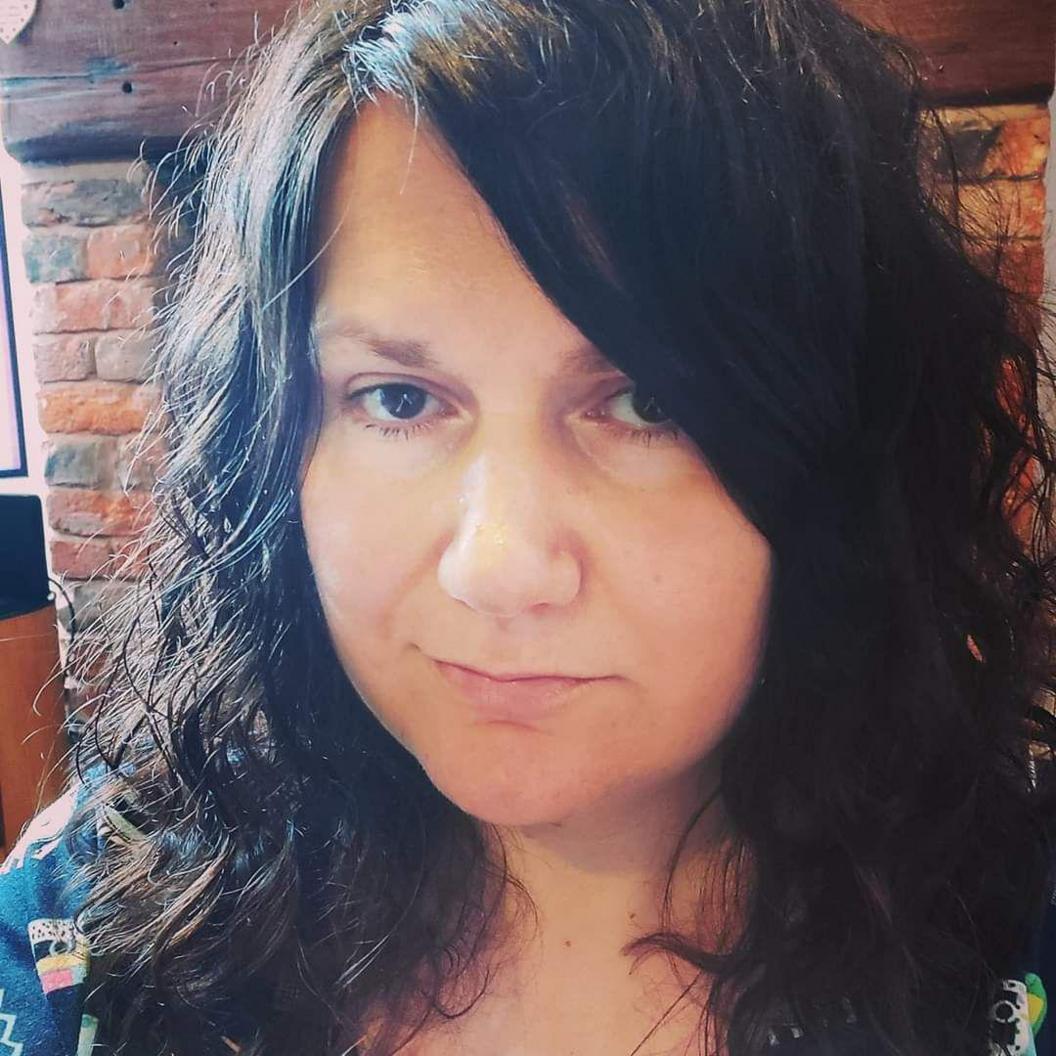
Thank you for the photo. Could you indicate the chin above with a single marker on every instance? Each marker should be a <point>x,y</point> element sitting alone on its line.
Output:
<point>507,794</point>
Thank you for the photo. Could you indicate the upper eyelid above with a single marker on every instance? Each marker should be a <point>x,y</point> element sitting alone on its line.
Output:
<point>365,384</point>
<point>428,385</point>
<point>625,385</point>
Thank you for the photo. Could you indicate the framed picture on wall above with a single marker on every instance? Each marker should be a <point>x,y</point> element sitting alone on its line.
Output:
<point>12,431</point>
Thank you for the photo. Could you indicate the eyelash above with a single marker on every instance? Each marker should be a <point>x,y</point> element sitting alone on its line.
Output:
<point>645,437</point>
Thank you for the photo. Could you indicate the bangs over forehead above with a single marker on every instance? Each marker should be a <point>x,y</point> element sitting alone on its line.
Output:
<point>689,202</point>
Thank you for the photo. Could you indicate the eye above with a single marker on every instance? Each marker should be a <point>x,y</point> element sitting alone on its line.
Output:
<point>639,417</point>
<point>395,408</point>
<point>402,409</point>
<point>400,401</point>
<point>645,407</point>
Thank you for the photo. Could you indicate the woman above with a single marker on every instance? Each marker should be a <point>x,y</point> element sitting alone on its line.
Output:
<point>601,594</point>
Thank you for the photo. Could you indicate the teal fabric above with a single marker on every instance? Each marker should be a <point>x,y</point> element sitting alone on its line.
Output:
<point>43,958</point>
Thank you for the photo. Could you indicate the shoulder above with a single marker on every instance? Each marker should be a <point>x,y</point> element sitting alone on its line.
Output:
<point>44,957</point>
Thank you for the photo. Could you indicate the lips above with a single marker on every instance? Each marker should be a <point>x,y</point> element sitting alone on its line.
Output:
<point>515,677</point>
<point>514,698</point>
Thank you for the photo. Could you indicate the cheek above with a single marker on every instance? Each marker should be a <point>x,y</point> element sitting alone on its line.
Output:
<point>697,598</point>
<point>358,541</point>
<point>714,594</point>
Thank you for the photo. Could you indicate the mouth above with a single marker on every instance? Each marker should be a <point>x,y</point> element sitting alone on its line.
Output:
<point>519,676</point>
<point>518,697</point>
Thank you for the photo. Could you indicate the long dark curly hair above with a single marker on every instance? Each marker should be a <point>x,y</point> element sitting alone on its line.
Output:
<point>740,203</point>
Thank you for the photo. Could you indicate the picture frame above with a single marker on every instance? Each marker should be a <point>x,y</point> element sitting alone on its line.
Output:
<point>12,424</point>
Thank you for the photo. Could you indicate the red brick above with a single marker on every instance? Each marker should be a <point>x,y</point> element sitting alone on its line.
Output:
<point>1023,267</point>
<point>97,304</point>
<point>139,461</point>
<point>117,252</point>
<point>64,357</point>
<point>81,558</point>
<point>108,407</point>
<point>90,558</point>
<point>1022,148</point>
<point>82,511</point>
<point>88,202</point>
<point>1017,206</point>
<point>130,558</point>
<point>124,355</point>
<point>998,141</point>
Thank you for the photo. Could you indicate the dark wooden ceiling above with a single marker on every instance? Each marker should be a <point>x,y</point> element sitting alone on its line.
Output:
<point>106,78</point>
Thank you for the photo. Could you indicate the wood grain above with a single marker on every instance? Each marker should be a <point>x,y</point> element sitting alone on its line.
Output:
<point>974,51</point>
<point>91,79</point>
<point>33,744</point>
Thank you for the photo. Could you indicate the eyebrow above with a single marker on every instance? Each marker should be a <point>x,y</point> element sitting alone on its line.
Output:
<point>410,352</point>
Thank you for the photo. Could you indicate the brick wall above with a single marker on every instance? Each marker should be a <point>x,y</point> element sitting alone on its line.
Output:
<point>1001,153</point>
<point>97,265</point>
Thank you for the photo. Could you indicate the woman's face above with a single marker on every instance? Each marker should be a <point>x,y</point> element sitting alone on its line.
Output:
<point>486,494</point>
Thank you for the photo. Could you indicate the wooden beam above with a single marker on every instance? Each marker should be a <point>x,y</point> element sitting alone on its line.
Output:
<point>105,78</point>
<point>974,52</point>
<point>109,78</point>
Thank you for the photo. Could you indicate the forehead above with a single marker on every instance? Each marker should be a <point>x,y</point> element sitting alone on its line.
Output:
<point>414,267</point>
<point>394,204</point>
<point>332,332</point>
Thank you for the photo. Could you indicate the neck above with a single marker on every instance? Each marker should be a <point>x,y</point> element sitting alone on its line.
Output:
<point>556,978</point>
<point>599,879</point>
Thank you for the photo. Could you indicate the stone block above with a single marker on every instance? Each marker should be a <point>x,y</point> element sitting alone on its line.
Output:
<point>82,511</point>
<point>139,461</point>
<point>107,407</point>
<point>78,460</point>
<point>124,355</point>
<point>87,203</point>
<point>118,252</point>
<point>115,557</point>
<point>64,357</point>
<point>96,304</point>
<point>994,142</point>
<point>95,602</point>
<point>82,558</point>
<point>53,256</point>
<point>1023,267</point>
<point>1013,207</point>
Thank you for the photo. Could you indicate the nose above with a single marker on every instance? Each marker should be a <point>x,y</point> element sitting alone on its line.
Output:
<point>507,555</point>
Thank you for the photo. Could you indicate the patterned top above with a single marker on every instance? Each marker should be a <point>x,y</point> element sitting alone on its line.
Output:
<point>46,999</point>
